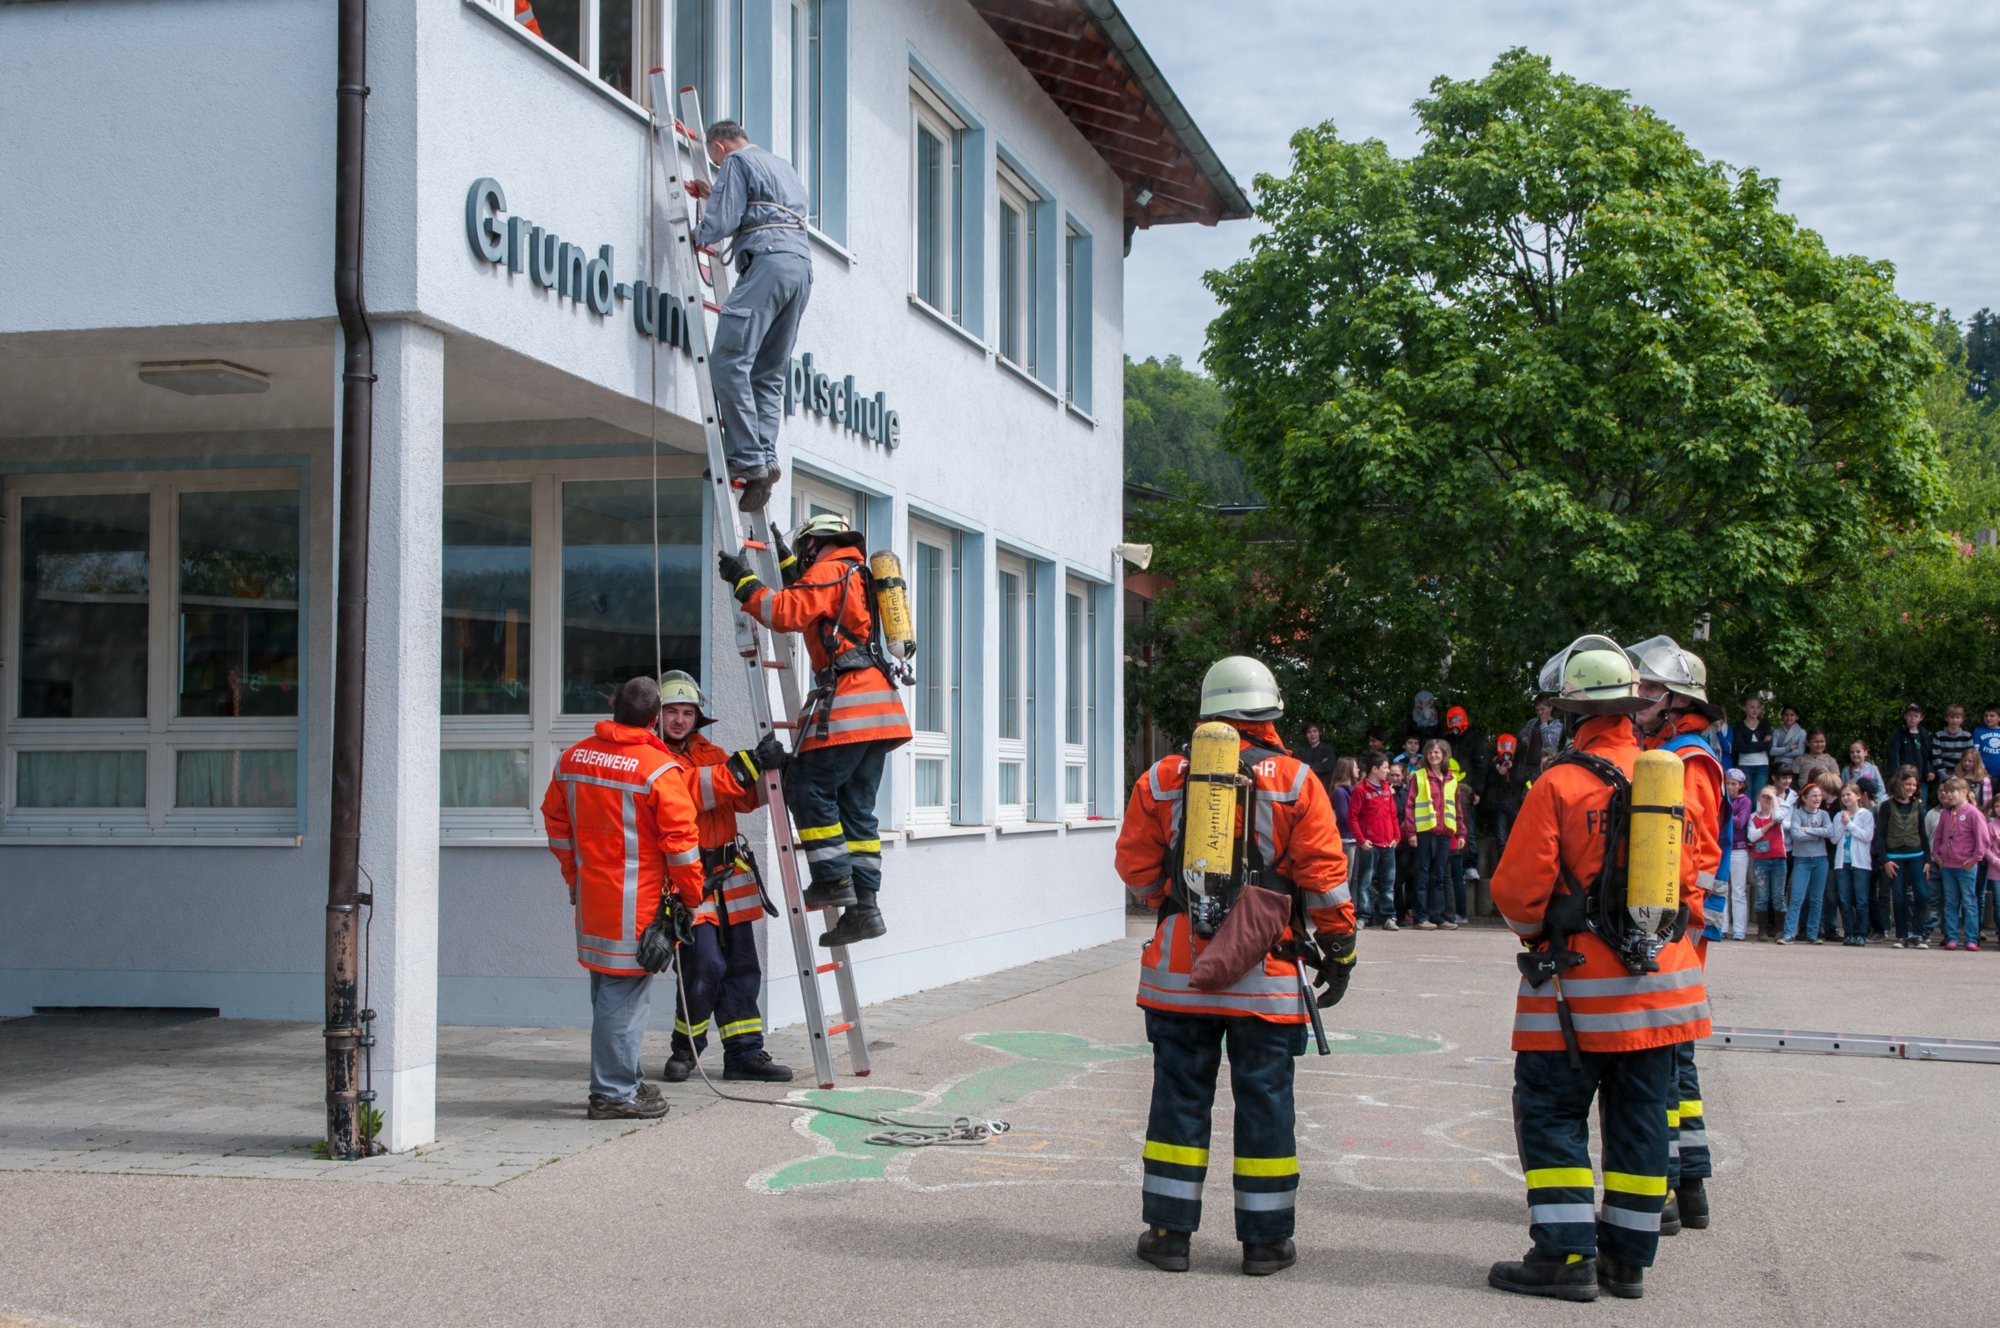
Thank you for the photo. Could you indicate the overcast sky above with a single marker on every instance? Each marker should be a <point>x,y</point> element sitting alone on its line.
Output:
<point>1881,118</point>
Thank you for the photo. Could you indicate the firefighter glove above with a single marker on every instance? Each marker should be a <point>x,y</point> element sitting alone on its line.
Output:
<point>1336,969</point>
<point>736,574</point>
<point>789,566</point>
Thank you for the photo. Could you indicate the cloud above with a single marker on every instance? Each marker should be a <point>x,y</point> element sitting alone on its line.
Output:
<point>1878,118</point>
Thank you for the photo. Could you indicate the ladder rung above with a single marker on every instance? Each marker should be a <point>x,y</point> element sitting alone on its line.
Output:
<point>774,664</point>
<point>755,544</point>
<point>827,967</point>
<point>835,1030</point>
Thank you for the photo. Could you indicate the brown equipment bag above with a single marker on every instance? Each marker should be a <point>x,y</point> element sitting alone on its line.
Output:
<point>1255,924</point>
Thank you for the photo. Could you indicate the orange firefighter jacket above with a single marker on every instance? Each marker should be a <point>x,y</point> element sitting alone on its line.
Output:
<point>524,14</point>
<point>829,606</point>
<point>1299,840</point>
<point>1562,826</point>
<point>1701,795</point>
<point>718,797</point>
<point>622,824</point>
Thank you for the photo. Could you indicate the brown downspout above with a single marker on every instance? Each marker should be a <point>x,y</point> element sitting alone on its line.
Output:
<point>346,1022</point>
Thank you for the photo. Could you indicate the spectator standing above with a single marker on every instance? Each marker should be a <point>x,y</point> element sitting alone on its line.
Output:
<point>1809,832</point>
<point>1978,784</point>
<point>1902,831</point>
<point>1788,740</point>
<point>1341,793</point>
<point>1378,827</point>
<point>1911,745</point>
<point>1542,736</point>
<point>1854,829</point>
<point>1506,784</point>
<point>1990,868</point>
<point>1739,809</point>
<point>1430,826</point>
<point>1318,757</point>
<point>1987,739</point>
<point>1753,748</point>
<point>1376,740</point>
<point>1424,722</point>
<point>1412,754</point>
<point>1958,846</point>
<point>1406,853</point>
<point>1815,762</point>
<point>1765,833</point>
<point>1948,745</point>
<point>1859,767</point>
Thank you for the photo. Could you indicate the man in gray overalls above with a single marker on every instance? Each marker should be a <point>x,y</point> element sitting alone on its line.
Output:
<point>759,207</point>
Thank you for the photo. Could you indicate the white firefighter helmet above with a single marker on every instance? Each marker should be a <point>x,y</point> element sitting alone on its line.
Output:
<point>1662,660</point>
<point>680,688</point>
<point>1592,676</point>
<point>1239,687</point>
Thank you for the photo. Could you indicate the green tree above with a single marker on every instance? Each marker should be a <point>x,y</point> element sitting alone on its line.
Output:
<point>1171,414</point>
<point>1982,359</point>
<point>1967,428</point>
<point>1560,372</point>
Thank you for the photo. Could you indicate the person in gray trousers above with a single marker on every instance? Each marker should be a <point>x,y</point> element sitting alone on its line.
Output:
<point>757,206</point>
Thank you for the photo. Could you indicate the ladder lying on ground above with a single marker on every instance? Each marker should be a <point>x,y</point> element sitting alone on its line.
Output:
<point>1854,1044</point>
<point>764,653</point>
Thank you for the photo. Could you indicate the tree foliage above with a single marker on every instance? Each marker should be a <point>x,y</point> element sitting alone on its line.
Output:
<point>1559,372</point>
<point>1966,418</point>
<point>1171,414</point>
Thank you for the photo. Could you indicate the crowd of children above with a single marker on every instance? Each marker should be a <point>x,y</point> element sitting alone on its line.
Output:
<point>1820,850</point>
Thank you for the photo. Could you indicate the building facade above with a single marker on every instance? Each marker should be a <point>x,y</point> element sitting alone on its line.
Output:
<point>169,393</point>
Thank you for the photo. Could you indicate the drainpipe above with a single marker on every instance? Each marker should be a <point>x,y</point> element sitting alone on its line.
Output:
<point>346,1023</point>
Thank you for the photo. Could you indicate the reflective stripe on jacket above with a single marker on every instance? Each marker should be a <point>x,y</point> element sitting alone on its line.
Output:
<point>621,823</point>
<point>1562,826</point>
<point>1298,839</point>
<point>524,14</point>
<point>832,593</point>
<point>718,797</point>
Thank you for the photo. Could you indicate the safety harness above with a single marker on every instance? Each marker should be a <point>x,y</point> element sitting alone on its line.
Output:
<point>845,653</point>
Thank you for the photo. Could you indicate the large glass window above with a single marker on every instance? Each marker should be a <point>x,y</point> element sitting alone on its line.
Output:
<point>1021,272</point>
<point>488,573</point>
<point>1017,710</point>
<point>940,208</point>
<point>932,570</point>
<point>85,581</point>
<point>613,39</point>
<point>239,610</point>
<point>1077,316</point>
<point>612,588</point>
<point>1079,684</point>
<point>78,779</point>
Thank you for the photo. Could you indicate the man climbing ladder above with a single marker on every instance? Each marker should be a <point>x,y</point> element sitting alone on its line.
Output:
<point>758,205</point>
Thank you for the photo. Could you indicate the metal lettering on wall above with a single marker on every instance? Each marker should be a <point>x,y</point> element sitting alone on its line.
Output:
<point>567,269</point>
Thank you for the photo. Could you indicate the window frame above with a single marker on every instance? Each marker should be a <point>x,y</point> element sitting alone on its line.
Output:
<point>931,117</point>
<point>162,733</point>
<point>933,744</point>
<point>1079,682</point>
<point>1018,293</point>
<point>1079,313</point>
<point>1018,750</point>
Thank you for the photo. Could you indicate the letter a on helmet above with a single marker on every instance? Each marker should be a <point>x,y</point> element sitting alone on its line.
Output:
<point>1239,687</point>
<point>680,688</point>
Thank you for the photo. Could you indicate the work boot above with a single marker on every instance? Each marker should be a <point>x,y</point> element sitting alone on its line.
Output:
<point>1263,1260</point>
<point>1165,1250</point>
<point>1627,1281</point>
<point>757,491</point>
<point>636,1107</point>
<point>1560,1276</point>
<point>762,1069</point>
<point>677,1069</point>
<point>648,1092</point>
<point>1670,1216</point>
<point>861,922</point>
<point>1693,1200</point>
<point>830,894</point>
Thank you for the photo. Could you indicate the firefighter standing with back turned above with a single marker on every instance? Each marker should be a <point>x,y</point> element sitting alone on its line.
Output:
<point>852,720</point>
<point>1675,681</point>
<point>722,970</point>
<point>1595,884</point>
<point>1235,887</point>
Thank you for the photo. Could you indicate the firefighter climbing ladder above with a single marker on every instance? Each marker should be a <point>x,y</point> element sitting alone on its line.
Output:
<point>763,653</point>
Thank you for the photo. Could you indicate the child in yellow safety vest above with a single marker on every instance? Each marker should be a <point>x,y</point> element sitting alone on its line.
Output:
<point>1433,826</point>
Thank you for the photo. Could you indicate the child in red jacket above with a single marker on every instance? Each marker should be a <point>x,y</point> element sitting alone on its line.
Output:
<point>1371,812</point>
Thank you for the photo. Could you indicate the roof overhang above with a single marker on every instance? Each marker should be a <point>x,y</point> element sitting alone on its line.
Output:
<point>1093,66</point>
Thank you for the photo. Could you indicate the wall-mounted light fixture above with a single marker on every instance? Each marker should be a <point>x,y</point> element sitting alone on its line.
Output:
<point>204,378</point>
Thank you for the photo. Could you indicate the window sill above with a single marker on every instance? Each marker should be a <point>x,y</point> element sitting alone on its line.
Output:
<point>1080,413</point>
<point>562,61</point>
<point>1021,372</point>
<point>1029,827</point>
<point>1093,823</point>
<point>101,839</point>
<point>946,831</point>
<point>477,839</point>
<point>831,245</point>
<point>923,307</point>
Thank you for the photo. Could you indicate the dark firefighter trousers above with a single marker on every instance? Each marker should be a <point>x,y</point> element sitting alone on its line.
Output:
<point>1187,1053</point>
<point>831,794</point>
<point>1552,1128</point>
<point>1687,1130</point>
<point>723,974</point>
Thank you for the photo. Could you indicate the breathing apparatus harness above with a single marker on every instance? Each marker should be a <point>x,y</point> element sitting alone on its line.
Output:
<point>846,653</point>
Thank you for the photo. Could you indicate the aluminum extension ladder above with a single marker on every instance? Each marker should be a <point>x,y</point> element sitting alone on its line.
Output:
<point>763,653</point>
<point>1854,1044</point>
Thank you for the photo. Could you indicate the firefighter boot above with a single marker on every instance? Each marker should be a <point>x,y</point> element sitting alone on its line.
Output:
<point>762,1069</point>
<point>1165,1250</point>
<point>1561,1276</point>
<point>1627,1281</point>
<point>677,1069</point>
<point>1693,1200</point>
<point>860,922</point>
<point>830,894</point>
<point>1670,1216</point>
<point>1263,1260</point>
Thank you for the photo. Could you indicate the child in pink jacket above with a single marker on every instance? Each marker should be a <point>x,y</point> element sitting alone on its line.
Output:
<point>1958,847</point>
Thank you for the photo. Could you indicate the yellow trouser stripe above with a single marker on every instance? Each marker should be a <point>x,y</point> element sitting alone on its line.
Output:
<point>1624,1184</point>
<point>1174,1153</point>
<point>1673,1118</point>
<point>1691,1109</point>
<point>864,846</point>
<point>1267,1166</point>
<point>1561,1178</point>
<point>742,1026</point>
<point>813,833</point>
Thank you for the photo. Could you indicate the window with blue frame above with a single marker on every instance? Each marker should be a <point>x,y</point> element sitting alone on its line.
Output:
<point>948,177</point>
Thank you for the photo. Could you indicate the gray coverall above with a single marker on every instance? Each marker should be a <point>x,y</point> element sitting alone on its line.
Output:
<point>758,204</point>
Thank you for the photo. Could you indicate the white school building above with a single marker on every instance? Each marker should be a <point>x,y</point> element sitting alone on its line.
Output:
<point>170,385</point>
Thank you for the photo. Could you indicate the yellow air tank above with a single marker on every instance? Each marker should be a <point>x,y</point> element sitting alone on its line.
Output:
<point>1211,804</point>
<point>892,604</point>
<point>1653,853</point>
